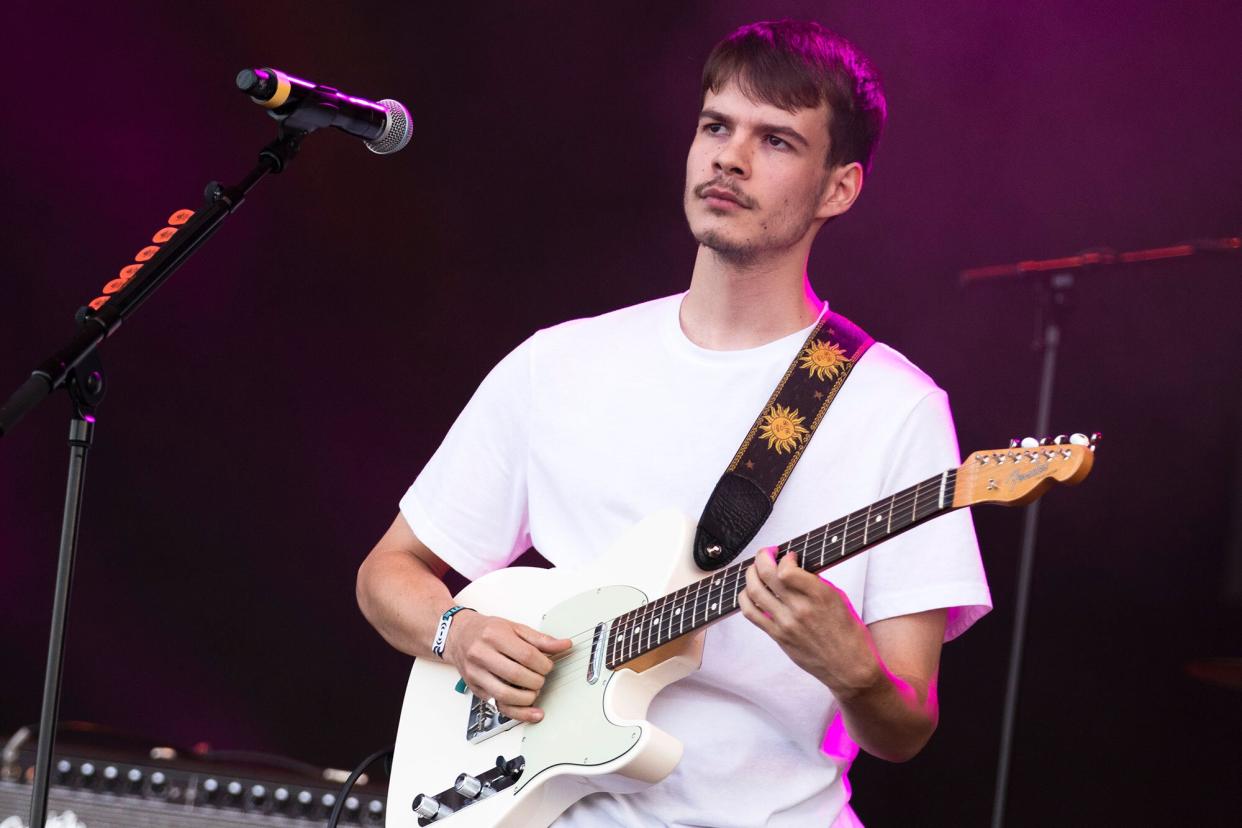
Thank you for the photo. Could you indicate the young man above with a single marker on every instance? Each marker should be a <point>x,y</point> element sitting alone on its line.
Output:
<point>589,426</point>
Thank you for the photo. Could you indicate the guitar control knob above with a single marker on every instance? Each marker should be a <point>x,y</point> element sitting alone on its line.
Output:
<point>87,772</point>
<point>234,790</point>
<point>134,777</point>
<point>470,787</point>
<point>110,776</point>
<point>428,807</point>
<point>352,805</point>
<point>305,798</point>
<point>258,795</point>
<point>211,788</point>
<point>280,797</point>
<point>159,783</point>
<point>63,768</point>
<point>327,801</point>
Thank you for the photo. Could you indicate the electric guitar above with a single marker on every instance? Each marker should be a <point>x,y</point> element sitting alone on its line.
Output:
<point>637,617</point>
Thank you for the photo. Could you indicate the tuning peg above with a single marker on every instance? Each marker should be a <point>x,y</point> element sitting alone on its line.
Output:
<point>1029,442</point>
<point>1043,441</point>
<point>1059,439</point>
<point>1014,442</point>
<point>1095,439</point>
<point>1078,439</point>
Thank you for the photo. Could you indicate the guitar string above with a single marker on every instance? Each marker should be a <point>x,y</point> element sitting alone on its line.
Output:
<point>736,572</point>
<point>648,611</point>
<point>725,592</point>
<point>799,545</point>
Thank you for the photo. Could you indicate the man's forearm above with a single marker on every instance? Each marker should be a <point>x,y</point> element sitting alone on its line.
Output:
<point>891,718</point>
<point>402,598</point>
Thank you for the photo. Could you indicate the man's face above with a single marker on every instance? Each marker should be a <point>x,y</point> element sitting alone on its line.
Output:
<point>755,175</point>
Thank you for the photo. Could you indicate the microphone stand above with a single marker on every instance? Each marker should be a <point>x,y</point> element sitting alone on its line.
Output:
<point>1055,293</point>
<point>77,368</point>
<point>1055,279</point>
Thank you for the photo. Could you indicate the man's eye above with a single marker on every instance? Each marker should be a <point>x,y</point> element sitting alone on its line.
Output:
<point>713,129</point>
<point>778,143</point>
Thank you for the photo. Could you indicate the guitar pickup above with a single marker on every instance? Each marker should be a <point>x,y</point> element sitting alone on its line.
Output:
<point>485,721</point>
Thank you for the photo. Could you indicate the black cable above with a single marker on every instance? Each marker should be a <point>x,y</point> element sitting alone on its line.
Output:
<point>353,777</point>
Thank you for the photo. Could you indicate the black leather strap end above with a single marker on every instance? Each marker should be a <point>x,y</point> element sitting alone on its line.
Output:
<point>734,513</point>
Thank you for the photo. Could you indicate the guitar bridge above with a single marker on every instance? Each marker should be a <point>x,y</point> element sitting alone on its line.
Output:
<point>485,721</point>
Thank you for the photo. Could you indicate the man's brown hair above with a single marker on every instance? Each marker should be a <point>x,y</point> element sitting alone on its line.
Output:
<point>794,64</point>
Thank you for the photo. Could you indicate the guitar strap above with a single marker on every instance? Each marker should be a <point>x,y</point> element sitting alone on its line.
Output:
<point>746,492</point>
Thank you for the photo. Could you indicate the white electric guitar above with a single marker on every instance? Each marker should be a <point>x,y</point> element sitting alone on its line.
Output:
<point>637,617</point>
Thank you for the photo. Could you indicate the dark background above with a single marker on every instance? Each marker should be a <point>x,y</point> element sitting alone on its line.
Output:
<point>270,406</point>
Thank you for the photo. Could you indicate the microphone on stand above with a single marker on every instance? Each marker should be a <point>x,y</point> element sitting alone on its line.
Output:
<point>385,125</point>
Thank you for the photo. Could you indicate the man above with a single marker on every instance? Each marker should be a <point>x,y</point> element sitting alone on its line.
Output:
<point>588,426</point>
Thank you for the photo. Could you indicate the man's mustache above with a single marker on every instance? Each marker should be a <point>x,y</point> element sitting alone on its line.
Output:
<point>728,186</point>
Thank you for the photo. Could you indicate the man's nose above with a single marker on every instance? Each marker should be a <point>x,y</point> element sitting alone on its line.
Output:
<point>732,159</point>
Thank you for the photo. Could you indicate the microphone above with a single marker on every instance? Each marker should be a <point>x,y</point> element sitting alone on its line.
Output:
<point>384,126</point>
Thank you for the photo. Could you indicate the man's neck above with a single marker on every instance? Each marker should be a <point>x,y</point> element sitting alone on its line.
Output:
<point>731,306</point>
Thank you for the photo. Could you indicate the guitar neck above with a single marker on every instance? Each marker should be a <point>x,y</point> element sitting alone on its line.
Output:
<point>708,600</point>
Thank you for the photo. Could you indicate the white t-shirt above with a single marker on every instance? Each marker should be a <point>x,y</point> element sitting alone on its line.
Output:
<point>589,426</point>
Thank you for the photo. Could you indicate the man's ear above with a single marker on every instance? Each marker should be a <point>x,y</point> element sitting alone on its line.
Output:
<point>843,186</point>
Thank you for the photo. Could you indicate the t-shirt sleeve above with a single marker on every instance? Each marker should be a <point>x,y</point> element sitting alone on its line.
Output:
<point>469,503</point>
<point>935,565</point>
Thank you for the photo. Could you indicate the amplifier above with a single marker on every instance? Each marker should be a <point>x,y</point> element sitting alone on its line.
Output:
<point>122,787</point>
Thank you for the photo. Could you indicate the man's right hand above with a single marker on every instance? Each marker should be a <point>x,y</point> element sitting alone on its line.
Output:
<point>503,660</point>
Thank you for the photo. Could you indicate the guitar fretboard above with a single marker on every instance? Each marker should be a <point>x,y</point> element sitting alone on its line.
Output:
<point>695,606</point>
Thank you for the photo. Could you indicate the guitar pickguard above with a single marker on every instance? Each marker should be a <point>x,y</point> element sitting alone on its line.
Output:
<point>575,729</point>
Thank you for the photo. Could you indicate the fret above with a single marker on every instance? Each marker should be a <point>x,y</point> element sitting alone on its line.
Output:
<point>653,621</point>
<point>892,504</point>
<point>866,525</point>
<point>681,613</point>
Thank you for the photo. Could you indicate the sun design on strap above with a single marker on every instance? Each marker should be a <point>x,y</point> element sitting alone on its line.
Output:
<point>823,360</point>
<point>782,428</point>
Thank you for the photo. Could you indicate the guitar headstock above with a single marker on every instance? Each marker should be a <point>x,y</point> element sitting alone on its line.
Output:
<point>1025,470</point>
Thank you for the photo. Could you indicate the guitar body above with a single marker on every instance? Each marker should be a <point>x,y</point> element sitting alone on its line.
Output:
<point>594,735</point>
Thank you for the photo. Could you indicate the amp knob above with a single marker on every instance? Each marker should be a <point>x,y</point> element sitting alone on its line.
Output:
<point>159,783</point>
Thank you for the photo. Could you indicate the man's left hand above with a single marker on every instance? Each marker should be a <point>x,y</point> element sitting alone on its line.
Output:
<point>813,622</point>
